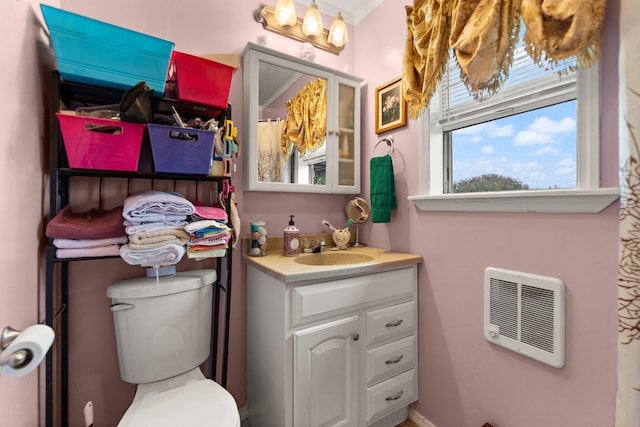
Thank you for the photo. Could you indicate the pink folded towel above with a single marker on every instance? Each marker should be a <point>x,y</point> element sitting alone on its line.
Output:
<point>88,243</point>
<point>93,224</point>
<point>100,251</point>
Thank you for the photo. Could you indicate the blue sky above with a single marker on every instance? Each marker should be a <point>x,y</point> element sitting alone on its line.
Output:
<point>538,148</point>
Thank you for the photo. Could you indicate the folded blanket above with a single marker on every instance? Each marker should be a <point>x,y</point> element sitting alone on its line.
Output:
<point>382,188</point>
<point>92,224</point>
<point>132,227</point>
<point>153,257</point>
<point>172,235</point>
<point>88,243</point>
<point>100,251</point>
<point>156,204</point>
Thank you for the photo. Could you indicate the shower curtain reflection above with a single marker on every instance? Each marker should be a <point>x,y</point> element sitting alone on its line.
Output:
<point>271,159</point>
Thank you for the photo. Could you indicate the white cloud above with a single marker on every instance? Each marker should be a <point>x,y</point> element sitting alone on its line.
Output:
<point>487,149</point>
<point>546,150</point>
<point>543,129</point>
<point>566,166</point>
<point>495,131</point>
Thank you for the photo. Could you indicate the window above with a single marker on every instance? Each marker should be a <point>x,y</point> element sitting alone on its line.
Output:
<point>533,146</point>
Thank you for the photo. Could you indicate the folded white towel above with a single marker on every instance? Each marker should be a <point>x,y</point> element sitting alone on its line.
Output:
<point>154,257</point>
<point>132,227</point>
<point>88,243</point>
<point>156,204</point>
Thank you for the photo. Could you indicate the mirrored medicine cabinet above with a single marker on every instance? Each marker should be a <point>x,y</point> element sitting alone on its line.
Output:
<point>301,125</point>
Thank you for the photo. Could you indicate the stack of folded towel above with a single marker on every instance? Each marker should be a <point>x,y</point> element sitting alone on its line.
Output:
<point>208,238</point>
<point>154,222</point>
<point>94,233</point>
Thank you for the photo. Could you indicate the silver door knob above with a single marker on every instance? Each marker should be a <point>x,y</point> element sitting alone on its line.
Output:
<point>355,336</point>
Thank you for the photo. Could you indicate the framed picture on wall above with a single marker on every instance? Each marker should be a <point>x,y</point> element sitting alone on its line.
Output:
<point>391,110</point>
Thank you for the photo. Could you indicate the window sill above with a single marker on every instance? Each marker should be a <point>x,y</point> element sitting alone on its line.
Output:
<point>548,201</point>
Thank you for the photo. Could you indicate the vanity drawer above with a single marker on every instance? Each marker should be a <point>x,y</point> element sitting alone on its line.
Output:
<point>390,322</point>
<point>352,293</point>
<point>392,394</point>
<point>390,359</point>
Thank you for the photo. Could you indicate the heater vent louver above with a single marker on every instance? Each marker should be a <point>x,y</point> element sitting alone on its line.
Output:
<point>526,313</point>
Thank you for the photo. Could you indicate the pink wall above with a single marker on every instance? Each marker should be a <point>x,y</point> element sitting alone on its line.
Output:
<point>23,185</point>
<point>463,379</point>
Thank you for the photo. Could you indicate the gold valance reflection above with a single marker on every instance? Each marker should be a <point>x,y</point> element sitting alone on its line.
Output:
<point>306,121</point>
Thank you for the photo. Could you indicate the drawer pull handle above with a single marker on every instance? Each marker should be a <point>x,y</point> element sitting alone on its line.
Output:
<point>394,360</point>
<point>355,337</point>
<point>394,323</point>
<point>394,397</point>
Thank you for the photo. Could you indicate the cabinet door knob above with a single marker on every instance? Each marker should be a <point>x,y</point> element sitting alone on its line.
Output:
<point>330,132</point>
<point>394,323</point>
<point>355,336</point>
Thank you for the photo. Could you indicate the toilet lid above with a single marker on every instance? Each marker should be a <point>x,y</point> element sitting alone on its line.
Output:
<point>200,403</point>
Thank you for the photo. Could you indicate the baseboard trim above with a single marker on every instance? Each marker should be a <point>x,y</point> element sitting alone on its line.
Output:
<point>417,418</point>
<point>244,414</point>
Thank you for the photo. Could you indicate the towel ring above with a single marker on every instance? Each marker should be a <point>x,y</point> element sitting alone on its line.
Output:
<point>388,140</point>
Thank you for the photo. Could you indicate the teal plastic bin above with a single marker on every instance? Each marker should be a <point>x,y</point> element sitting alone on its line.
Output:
<point>94,52</point>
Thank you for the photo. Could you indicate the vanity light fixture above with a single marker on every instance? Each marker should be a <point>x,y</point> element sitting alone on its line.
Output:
<point>332,40</point>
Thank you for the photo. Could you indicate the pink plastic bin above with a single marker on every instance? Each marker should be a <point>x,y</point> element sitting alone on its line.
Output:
<point>172,153</point>
<point>88,146</point>
<point>198,80</point>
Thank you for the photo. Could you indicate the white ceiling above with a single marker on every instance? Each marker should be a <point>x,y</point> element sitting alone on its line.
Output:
<point>352,10</point>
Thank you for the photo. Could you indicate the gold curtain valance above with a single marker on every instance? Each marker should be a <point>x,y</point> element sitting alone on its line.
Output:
<point>483,35</point>
<point>306,122</point>
<point>427,52</point>
<point>560,29</point>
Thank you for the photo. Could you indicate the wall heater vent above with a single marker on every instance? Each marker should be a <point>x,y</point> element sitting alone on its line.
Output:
<point>525,313</point>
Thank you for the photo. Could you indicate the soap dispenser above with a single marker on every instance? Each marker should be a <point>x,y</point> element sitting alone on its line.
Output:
<point>291,239</point>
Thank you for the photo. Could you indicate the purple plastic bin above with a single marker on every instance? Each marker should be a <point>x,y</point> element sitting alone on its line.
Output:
<point>181,150</point>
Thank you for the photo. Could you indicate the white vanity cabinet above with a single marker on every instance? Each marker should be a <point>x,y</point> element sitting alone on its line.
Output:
<point>340,352</point>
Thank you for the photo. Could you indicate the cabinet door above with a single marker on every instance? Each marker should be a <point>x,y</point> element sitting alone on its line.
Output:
<point>347,137</point>
<point>326,374</point>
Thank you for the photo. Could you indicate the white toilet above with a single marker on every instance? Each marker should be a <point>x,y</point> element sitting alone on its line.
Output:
<point>163,335</point>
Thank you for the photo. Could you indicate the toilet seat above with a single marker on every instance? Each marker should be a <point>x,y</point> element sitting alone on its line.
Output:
<point>198,403</point>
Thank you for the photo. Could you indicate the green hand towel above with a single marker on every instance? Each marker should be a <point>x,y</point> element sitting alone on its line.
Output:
<point>382,192</point>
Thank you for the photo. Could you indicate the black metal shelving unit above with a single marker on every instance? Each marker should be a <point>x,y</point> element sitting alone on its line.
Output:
<point>57,280</point>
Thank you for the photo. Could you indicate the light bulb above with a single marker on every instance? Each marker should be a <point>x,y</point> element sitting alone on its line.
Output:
<point>285,13</point>
<point>312,24</point>
<point>338,35</point>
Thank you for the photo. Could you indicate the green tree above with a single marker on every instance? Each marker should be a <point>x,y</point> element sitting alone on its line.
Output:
<point>488,182</point>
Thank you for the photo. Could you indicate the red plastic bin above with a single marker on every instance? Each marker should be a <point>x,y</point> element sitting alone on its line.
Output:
<point>103,144</point>
<point>181,150</point>
<point>198,80</point>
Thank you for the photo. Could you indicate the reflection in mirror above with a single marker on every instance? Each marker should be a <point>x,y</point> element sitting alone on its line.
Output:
<point>291,126</point>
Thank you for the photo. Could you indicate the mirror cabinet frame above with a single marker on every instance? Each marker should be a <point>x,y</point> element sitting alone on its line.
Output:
<point>253,56</point>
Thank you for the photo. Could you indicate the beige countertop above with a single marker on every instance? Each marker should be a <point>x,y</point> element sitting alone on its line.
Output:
<point>286,269</point>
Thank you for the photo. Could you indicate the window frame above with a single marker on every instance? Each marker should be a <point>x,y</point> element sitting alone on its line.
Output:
<point>587,197</point>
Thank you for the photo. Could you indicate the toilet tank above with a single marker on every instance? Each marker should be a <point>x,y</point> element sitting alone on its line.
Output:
<point>162,325</point>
